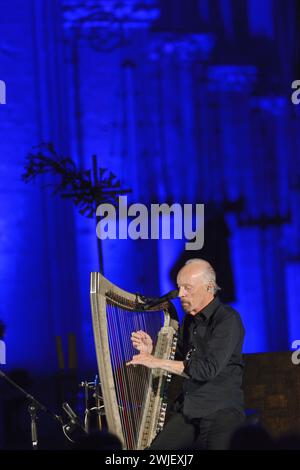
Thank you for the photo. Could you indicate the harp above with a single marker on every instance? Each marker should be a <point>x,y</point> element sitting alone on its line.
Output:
<point>135,398</point>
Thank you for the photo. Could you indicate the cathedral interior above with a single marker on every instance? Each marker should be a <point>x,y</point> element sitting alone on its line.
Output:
<point>178,102</point>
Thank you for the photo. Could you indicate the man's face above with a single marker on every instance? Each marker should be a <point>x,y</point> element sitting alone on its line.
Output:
<point>193,291</point>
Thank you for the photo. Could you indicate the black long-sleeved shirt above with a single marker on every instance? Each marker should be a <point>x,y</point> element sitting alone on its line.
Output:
<point>210,344</point>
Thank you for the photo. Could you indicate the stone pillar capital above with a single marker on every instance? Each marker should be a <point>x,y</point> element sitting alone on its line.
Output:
<point>185,47</point>
<point>86,15</point>
<point>231,77</point>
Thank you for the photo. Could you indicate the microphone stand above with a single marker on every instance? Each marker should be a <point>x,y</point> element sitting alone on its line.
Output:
<point>33,408</point>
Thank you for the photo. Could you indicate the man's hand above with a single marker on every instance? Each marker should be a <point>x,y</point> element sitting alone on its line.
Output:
<point>144,359</point>
<point>142,342</point>
<point>152,362</point>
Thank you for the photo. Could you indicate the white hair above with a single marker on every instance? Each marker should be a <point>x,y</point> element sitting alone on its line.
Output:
<point>208,273</point>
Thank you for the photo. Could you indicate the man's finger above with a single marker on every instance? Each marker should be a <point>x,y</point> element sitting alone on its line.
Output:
<point>130,363</point>
<point>136,336</point>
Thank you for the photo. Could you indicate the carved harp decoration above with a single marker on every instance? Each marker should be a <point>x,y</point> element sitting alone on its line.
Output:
<point>134,397</point>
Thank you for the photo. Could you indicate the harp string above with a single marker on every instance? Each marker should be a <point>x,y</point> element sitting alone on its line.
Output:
<point>131,383</point>
<point>138,377</point>
<point>130,405</point>
<point>119,377</point>
<point>124,382</point>
<point>144,374</point>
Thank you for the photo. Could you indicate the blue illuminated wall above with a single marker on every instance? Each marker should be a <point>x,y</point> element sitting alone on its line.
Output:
<point>185,102</point>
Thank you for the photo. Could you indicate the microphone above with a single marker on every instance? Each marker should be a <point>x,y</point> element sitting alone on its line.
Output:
<point>73,430</point>
<point>153,301</point>
<point>72,415</point>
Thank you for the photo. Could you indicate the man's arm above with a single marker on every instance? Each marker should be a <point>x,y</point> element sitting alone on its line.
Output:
<point>152,362</point>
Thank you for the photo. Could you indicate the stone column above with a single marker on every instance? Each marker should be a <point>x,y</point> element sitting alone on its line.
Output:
<point>278,128</point>
<point>59,235</point>
<point>109,38</point>
<point>227,132</point>
<point>178,60</point>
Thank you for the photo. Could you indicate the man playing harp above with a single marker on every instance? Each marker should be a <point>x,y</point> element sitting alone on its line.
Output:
<point>209,357</point>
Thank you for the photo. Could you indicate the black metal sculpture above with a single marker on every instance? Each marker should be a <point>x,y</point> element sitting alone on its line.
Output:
<point>86,188</point>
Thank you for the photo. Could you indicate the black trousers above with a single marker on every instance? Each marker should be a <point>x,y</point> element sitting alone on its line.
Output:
<point>213,432</point>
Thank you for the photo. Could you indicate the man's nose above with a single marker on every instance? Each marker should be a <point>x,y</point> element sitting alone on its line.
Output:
<point>181,292</point>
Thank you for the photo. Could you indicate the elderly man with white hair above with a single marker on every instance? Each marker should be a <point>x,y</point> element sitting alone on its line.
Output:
<point>209,357</point>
